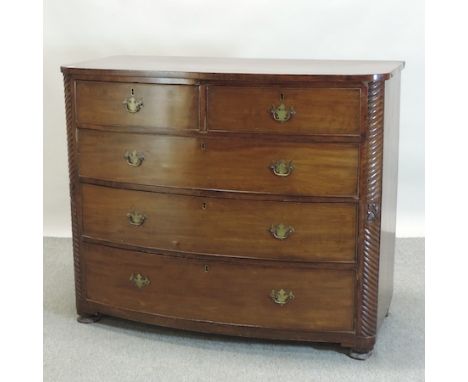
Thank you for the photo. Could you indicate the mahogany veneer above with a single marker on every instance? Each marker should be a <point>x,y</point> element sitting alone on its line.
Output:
<point>172,106</point>
<point>225,227</point>
<point>318,110</point>
<point>320,169</point>
<point>244,197</point>
<point>214,291</point>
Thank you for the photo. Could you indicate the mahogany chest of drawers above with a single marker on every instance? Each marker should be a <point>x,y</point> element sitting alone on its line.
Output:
<point>243,197</point>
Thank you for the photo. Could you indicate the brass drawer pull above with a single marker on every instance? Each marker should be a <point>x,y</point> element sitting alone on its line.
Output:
<point>282,167</point>
<point>136,218</point>
<point>139,280</point>
<point>134,158</point>
<point>281,113</point>
<point>281,297</point>
<point>133,104</point>
<point>281,231</point>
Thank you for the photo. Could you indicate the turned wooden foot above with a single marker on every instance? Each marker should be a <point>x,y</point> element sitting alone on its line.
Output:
<point>88,318</point>
<point>359,355</point>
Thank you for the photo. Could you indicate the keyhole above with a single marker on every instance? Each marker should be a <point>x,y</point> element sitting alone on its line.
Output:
<point>203,146</point>
<point>281,97</point>
<point>206,268</point>
<point>133,92</point>
<point>203,206</point>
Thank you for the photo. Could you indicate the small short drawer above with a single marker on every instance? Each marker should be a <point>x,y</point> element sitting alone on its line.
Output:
<point>289,111</point>
<point>227,227</point>
<point>276,297</point>
<point>225,164</point>
<point>145,105</point>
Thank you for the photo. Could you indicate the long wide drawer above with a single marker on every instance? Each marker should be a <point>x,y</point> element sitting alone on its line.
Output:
<point>274,110</point>
<point>320,169</point>
<point>228,227</point>
<point>129,104</point>
<point>221,292</point>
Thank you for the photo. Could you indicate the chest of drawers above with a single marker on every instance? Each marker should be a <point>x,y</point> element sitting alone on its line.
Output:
<point>243,197</point>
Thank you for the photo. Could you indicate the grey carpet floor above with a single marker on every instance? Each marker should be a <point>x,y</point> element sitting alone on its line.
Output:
<point>118,350</point>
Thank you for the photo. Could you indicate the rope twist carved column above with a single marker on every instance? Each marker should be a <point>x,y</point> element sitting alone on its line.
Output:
<point>73,174</point>
<point>371,242</point>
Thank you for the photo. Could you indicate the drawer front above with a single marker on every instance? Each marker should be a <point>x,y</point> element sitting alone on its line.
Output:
<point>320,169</point>
<point>127,104</point>
<point>229,227</point>
<point>229,293</point>
<point>284,111</point>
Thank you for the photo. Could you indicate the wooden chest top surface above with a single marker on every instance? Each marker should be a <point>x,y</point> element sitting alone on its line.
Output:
<point>205,67</point>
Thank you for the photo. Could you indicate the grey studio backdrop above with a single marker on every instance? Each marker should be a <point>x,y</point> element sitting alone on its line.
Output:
<point>80,30</point>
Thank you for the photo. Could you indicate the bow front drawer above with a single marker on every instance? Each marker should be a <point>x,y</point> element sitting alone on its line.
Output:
<point>220,292</point>
<point>289,111</point>
<point>145,105</point>
<point>227,227</point>
<point>229,164</point>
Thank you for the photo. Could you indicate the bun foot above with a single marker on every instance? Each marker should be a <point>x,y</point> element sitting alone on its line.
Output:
<point>358,355</point>
<point>88,318</point>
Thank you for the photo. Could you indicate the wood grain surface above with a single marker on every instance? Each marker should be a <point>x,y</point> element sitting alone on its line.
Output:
<point>252,69</point>
<point>164,106</point>
<point>228,164</point>
<point>236,294</point>
<point>227,227</point>
<point>317,110</point>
